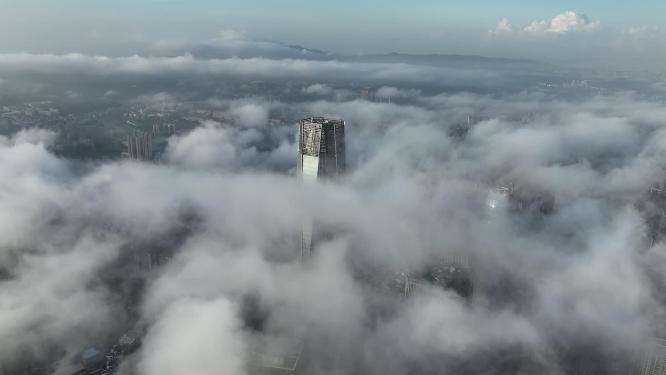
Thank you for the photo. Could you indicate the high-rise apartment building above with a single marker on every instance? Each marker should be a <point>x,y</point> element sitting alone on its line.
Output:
<point>140,145</point>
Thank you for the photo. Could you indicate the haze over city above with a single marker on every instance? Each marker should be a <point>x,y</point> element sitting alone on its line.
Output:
<point>257,187</point>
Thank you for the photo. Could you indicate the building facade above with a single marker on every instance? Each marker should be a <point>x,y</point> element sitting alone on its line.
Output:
<point>321,148</point>
<point>321,155</point>
<point>653,361</point>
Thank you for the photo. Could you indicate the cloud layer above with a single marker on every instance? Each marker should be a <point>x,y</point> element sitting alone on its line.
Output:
<point>574,284</point>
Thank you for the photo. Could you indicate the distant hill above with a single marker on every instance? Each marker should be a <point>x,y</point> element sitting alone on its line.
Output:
<point>310,51</point>
<point>436,59</point>
<point>279,50</point>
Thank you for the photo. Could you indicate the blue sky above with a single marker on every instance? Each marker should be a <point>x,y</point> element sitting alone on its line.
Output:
<point>469,13</point>
<point>475,13</point>
<point>350,26</point>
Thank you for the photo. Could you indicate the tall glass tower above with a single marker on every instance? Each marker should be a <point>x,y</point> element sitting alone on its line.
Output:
<point>321,155</point>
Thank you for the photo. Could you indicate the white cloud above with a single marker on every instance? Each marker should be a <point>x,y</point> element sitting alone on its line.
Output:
<point>159,101</point>
<point>400,193</point>
<point>34,136</point>
<point>536,27</point>
<point>566,22</point>
<point>318,89</point>
<point>504,26</point>
<point>571,21</point>
<point>408,188</point>
<point>386,92</point>
<point>250,115</point>
<point>195,337</point>
<point>256,67</point>
<point>204,147</point>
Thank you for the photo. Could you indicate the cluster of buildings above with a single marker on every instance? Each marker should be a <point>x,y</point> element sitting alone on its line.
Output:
<point>92,361</point>
<point>140,145</point>
<point>451,271</point>
<point>25,115</point>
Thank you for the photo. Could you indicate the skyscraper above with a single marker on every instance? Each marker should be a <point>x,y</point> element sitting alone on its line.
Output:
<point>321,148</point>
<point>321,155</point>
